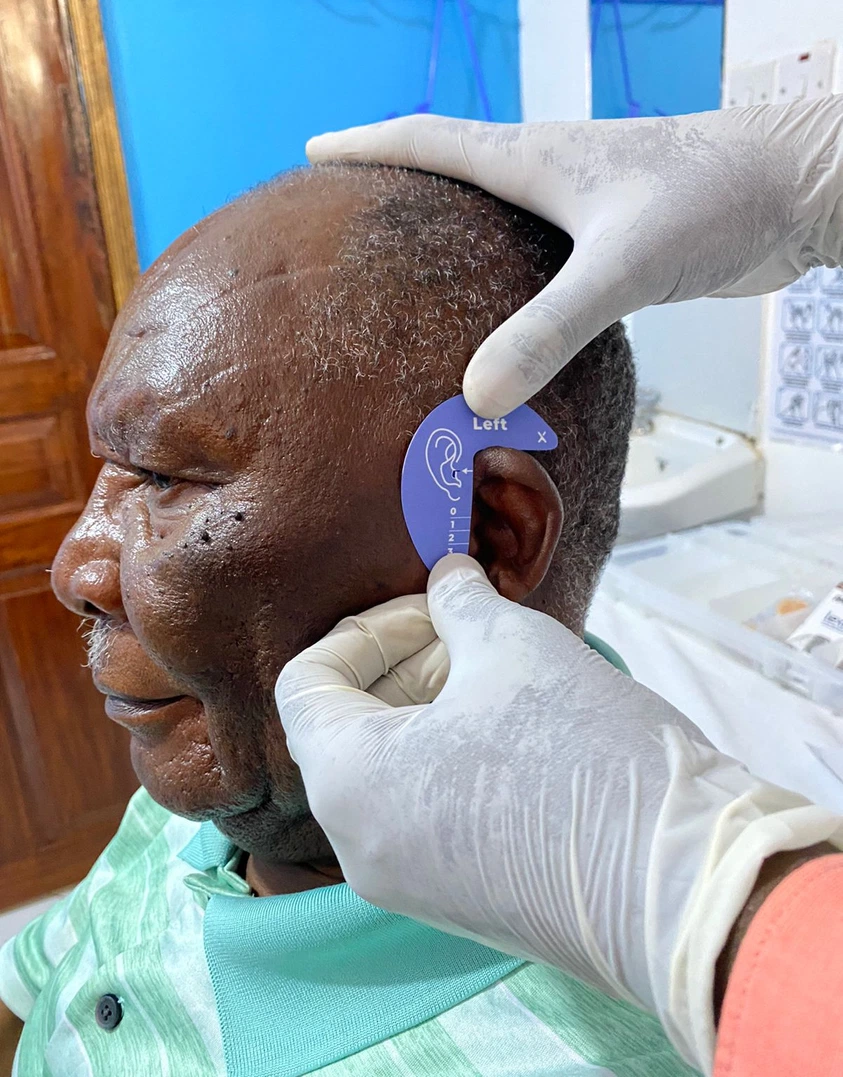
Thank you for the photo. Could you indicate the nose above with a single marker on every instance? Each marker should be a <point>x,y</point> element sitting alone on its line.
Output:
<point>86,570</point>
<point>89,588</point>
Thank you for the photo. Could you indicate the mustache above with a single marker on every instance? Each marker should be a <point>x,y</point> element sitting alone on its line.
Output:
<point>98,634</point>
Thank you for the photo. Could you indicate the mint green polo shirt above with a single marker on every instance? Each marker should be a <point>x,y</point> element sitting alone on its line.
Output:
<point>211,980</point>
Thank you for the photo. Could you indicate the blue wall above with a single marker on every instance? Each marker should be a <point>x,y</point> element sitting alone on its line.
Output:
<point>674,57</point>
<point>213,96</point>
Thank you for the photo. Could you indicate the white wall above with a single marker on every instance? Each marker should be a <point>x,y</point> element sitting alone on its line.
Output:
<point>555,67</point>
<point>759,30</point>
<point>798,479</point>
<point>703,357</point>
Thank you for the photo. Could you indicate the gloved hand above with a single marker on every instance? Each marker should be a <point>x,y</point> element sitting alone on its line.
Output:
<point>418,663</point>
<point>729,203</point>
<point>545,803</point>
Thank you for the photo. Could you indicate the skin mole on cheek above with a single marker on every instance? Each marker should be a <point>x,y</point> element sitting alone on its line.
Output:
<point>238,516</point>
<point>205,536</point>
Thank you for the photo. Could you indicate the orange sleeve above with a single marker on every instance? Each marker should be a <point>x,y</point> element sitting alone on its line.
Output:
<point>782,1010</point>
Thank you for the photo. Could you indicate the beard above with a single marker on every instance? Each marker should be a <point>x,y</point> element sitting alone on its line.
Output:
<point>272,833</point>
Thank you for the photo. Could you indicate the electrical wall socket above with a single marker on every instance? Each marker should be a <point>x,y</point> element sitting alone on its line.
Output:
<point>749,84</point>
<point>806,74</point>
<point>813,72</point>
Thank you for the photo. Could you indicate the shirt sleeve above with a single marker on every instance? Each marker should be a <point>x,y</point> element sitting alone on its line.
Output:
<point>29,959</point>
<point>781,1013</point>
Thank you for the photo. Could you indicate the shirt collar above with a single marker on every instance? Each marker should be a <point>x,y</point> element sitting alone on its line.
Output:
<point>302,980</point>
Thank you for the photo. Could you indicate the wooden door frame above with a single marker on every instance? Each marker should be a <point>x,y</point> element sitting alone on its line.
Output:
<point>64,776</point>
<point>91,58</point>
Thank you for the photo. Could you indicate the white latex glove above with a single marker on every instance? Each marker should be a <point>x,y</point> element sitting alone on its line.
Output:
<point>729,203</point>
<point>410,661</point>
<point>544,804</point>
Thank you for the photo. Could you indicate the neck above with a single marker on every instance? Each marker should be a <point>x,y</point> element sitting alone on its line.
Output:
<point>267,878</point>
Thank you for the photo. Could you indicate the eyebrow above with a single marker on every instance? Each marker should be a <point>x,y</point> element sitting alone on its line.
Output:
<point>130,434</point>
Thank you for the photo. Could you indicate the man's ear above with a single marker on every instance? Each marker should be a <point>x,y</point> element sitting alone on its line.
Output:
<point>516,520</point>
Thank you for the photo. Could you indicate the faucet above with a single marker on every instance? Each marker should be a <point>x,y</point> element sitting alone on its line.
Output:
<point>646,403</point>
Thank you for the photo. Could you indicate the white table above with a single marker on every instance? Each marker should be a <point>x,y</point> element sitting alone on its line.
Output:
<point>777,734</point>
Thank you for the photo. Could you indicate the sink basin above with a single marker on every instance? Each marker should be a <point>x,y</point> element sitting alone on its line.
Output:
<point>684,473</point>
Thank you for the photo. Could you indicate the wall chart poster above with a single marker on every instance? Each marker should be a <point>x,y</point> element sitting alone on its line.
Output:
<point>806,392</point>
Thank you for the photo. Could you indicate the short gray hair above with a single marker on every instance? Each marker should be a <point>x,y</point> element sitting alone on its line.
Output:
<point>427,269</point>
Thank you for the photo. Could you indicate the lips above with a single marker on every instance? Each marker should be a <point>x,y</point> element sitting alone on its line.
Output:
<point>140,715</point>
<point>138,692</point>
<point>126,670</point>
<point>139,706</point>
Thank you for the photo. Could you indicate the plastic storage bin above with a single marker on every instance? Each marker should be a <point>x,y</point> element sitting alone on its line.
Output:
<point>713,579</point>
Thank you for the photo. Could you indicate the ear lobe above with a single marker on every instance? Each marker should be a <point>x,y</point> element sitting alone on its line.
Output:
<point>516,520</point>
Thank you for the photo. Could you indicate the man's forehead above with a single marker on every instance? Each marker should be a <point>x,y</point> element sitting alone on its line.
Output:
<point>198,332</point>
<point>233,275</point>
<point>177,375</point>
<point>208,340</point>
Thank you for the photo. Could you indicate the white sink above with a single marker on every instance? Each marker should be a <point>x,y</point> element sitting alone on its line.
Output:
<point>684,473</point>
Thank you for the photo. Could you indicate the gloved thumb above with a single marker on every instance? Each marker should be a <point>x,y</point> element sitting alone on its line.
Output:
<point>463,149</point>
<point>461,601</point>
<point>530,348</point>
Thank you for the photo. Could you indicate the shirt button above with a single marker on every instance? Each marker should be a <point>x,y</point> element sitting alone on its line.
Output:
<point>109,1012</point>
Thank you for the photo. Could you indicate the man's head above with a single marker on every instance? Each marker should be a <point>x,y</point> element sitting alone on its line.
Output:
<point>253,409</point>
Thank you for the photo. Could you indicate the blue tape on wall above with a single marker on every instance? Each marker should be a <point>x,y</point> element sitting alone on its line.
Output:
<point>214,97</point>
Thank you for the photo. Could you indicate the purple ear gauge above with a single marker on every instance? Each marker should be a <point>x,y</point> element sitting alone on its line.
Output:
<point>436,480</point>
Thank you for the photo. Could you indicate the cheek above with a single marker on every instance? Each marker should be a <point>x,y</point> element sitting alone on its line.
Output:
<point>188,579</point>
<point>383,562</point>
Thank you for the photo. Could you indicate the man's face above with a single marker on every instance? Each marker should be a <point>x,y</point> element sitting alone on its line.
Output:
<point>244,506</point>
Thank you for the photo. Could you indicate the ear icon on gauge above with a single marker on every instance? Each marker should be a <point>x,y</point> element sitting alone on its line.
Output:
<point>442,455</point>
<point>449,436</point>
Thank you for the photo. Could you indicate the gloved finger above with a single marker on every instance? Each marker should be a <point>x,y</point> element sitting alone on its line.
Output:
<point>426,142</point>
<point>332,677</point>
<point>530,348</point>
<point>462,603</point>
<point>463,149</point>
<point>418,679</point>
<point>313,711</point>
<point>365,647</point>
